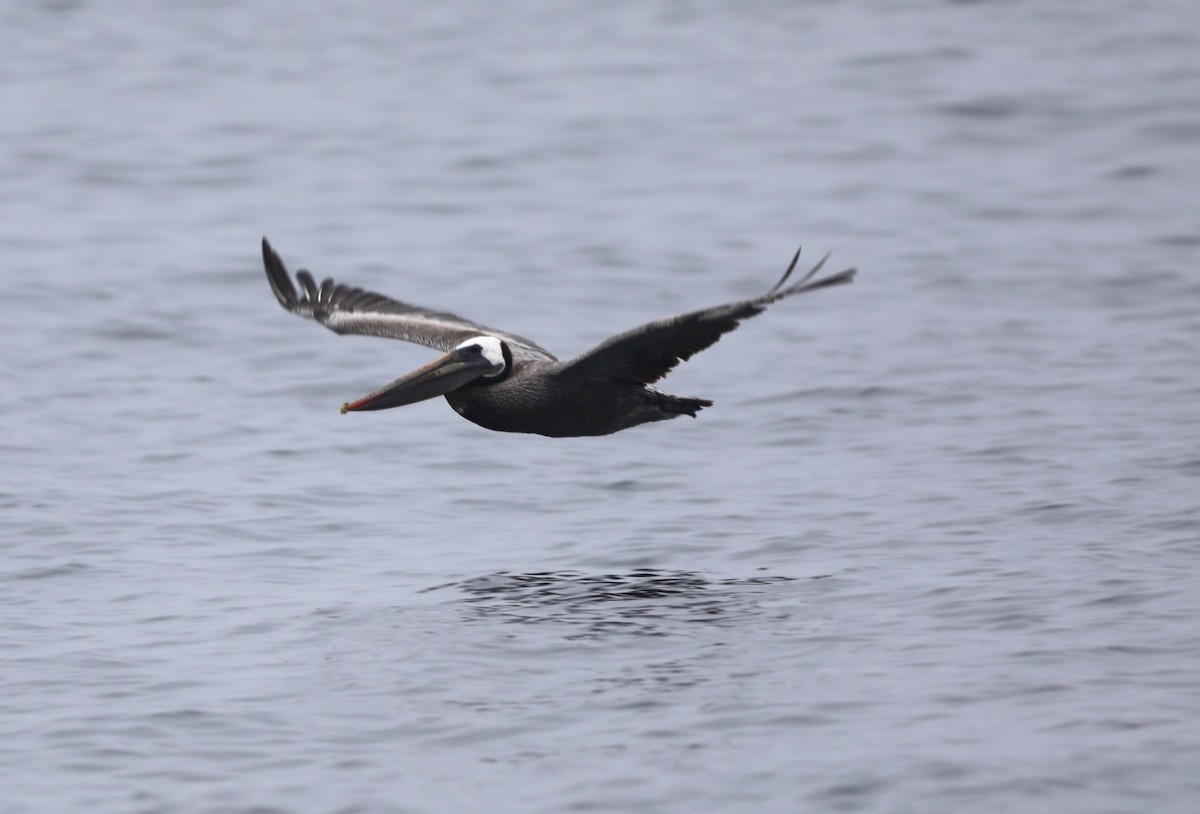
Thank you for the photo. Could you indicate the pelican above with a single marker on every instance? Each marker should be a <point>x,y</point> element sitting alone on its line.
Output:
<point>507,383</point>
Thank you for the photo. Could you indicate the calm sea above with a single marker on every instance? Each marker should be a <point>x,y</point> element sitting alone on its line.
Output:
<point>936,547</point>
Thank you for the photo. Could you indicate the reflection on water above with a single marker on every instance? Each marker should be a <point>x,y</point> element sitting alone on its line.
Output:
<point>642,602</point>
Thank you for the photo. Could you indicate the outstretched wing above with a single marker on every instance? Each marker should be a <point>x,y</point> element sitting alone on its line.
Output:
<point>348,310</point>
<point>646,354</point>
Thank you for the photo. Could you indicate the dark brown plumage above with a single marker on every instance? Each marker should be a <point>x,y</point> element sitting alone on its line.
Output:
<point>505,382</point>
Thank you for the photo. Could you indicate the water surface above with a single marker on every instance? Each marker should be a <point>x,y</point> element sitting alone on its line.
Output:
<point>933,549</point>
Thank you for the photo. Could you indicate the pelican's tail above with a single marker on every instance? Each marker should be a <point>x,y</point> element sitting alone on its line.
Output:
<point>669,406</point>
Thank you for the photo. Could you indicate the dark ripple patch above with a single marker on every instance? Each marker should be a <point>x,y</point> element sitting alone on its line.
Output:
<point>66,569</point>
<point>1135,171</point>
<point>872,393</point>
<point>643,602</point>
<point>129,331</point>
<point>1181,240</point>
<point>992,107</point>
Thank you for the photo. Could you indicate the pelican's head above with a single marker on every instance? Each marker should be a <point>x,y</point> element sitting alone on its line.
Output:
<point>480,357</point>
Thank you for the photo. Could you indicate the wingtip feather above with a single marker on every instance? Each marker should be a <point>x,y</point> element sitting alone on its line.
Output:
<point>277,275</point>
<point>806,283</point>
<point>791,267</point>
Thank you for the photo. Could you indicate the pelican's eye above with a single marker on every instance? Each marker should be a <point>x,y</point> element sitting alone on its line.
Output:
<point>489,349</point>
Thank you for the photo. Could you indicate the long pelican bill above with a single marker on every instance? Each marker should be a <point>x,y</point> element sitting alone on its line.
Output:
<point>437,378</point>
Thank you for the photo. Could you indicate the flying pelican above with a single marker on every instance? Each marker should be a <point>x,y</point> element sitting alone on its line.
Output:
<point>507,383</point>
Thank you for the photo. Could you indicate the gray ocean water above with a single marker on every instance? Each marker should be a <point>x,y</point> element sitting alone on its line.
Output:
<point>936,547</point>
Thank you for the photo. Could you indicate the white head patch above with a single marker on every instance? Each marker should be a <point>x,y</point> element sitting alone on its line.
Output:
<point>490,349</point>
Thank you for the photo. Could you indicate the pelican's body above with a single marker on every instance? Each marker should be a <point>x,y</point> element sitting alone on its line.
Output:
<point>504,382</point>
<point>536,399</point>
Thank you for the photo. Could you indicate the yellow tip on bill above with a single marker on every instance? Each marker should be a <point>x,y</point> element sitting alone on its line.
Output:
<point>345,408</point>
